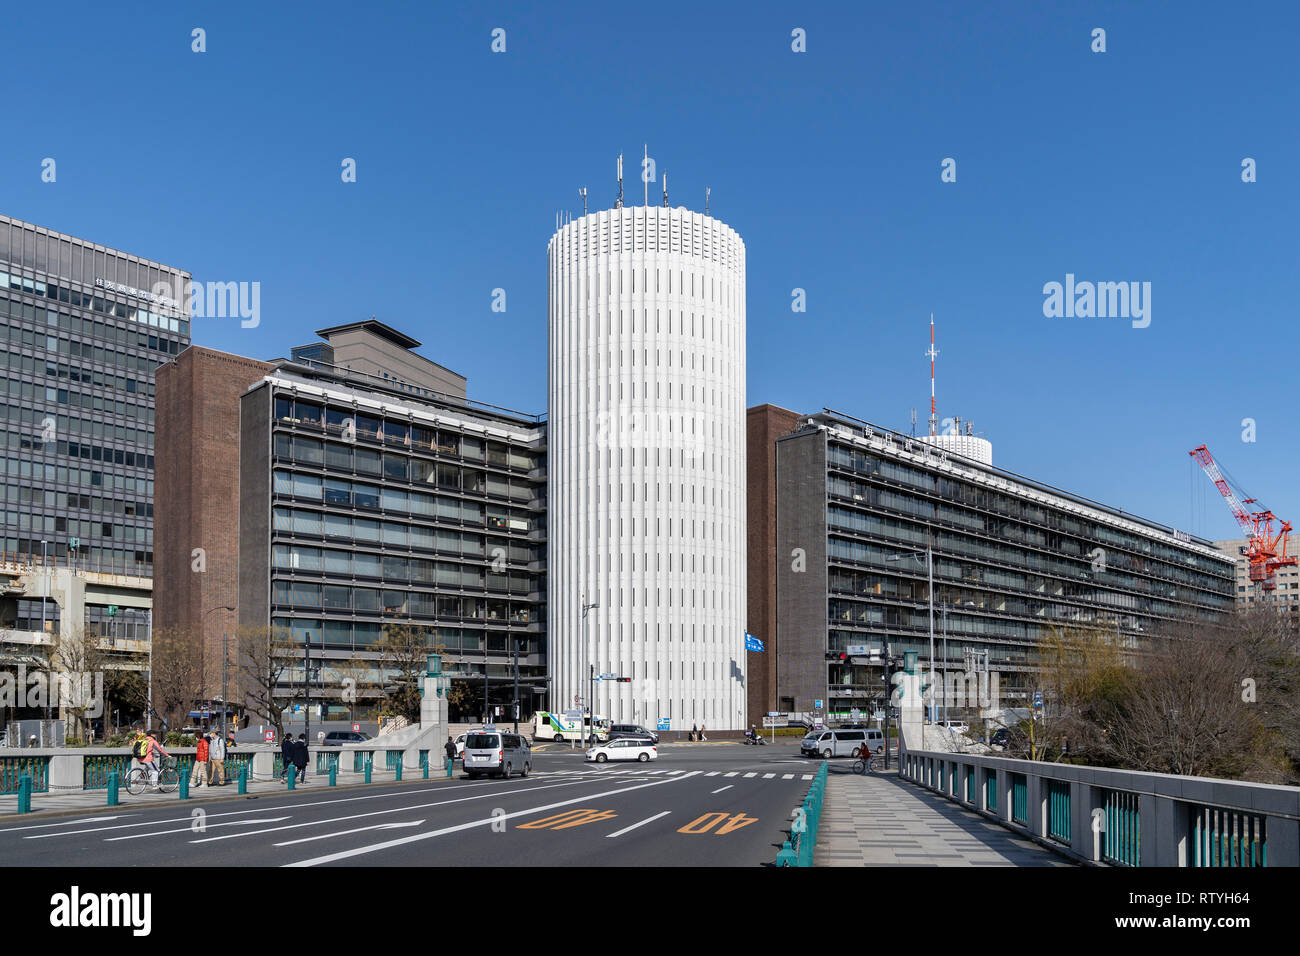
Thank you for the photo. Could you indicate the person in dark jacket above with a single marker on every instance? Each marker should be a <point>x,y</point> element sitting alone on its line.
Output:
<point>288,747</point>
<point>449,748</point>
<point>300,753</point>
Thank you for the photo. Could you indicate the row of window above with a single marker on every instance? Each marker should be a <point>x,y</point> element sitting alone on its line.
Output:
<point>987,500</point>
<point>355,425</point>
<point>39,339</point>
<point>24,468</point>
<point>93,557</point>
<point>394,568</point>
<point>397,467</point>
<point>337,597</point>
<point>27,497</point>
<point>396,501</point>
<point>363,634</point>
<point>953,543</point>
<point>36,422</point>
<point>96,303</point>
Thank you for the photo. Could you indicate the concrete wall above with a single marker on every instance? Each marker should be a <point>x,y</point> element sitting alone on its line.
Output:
<point>255,509</point>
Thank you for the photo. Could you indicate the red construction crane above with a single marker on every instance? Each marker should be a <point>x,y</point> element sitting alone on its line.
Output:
<point>1266,550</point>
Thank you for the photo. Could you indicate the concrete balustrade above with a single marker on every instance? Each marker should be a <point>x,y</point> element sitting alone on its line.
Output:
<point>1120,817</point>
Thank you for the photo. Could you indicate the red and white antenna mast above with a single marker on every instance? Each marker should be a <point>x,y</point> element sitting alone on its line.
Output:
<point>934,420</point>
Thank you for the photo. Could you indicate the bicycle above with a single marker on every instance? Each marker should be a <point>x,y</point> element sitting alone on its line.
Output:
<point>870,765</point>
<point>137,780</point>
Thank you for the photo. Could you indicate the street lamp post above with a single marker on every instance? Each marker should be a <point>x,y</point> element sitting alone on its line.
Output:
<point>585,700</point>
<point>225,660</point>
<point>929,568</point>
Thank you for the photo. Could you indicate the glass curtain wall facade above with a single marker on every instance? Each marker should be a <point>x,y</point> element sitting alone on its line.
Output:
<point>80,337</point>
<point>386,511</point>
<point>1012,560</point>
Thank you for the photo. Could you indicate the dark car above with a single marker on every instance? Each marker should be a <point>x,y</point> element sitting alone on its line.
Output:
<point>631,730</point>
<point>337,738</point>
<point>1007,739</point>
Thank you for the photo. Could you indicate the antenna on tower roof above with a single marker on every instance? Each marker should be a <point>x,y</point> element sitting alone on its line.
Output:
<point>914,423</point>
<point>706,200</point>
<point>665,189</point>
<point>583,193</point>
<point>618,204</point>
<point>934,420</point>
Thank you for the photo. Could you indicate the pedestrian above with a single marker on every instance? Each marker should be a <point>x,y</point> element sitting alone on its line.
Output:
<point>449,748</point>
<point>200,772</point>
<point>217,760</point>
<point>147,752</point>
<point>300,758</point>
<point>695,732</point>
<point>703,735</point>
<point>288,747</point>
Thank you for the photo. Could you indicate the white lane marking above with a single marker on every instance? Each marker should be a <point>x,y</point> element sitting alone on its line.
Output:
<point>635,825</point>
<point>373,813</point>
<point>66,823</point>
<point>768,776</point>
<point>272,809</point>
<point>712,773</point>
<point>807,776</point>
<point>653,772</point>
<point>225,823</point>
<point>732,774</point>
<point>326,836</point>
<point>486,821</point>
<point>673,772</point>
<point>727,787</point>
<point>748,775</point>
<point>787,776</point>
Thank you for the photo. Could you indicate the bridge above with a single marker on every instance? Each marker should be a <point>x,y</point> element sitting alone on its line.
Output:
<point>945,809</point>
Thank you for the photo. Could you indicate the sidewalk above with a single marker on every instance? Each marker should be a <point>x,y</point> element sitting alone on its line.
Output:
<point>880,820</point>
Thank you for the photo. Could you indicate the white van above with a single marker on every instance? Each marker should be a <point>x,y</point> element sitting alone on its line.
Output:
<point>841,743</point>
<point>500,754</point>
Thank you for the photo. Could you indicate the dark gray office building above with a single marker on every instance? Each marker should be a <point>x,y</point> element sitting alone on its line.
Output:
<point>857,506</point>
<point>81,331</point>
<point>367,500</point>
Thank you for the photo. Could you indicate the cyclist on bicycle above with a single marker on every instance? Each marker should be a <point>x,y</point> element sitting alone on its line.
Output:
<point>150,759</point>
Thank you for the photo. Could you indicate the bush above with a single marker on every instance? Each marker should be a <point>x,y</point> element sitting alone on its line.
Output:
<point>74,742</point>
<point>115,740</point>
<point>175,738</point>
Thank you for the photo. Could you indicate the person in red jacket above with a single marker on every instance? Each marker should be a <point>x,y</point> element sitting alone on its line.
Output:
<point>200,775</point>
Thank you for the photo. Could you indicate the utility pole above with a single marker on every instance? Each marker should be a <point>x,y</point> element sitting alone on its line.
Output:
<point>516,685</point>
<point>306,685</point>
<point>586,704</point>
<point>487,704</point>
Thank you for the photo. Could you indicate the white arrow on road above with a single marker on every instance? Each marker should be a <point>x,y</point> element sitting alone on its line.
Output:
<point>326,836</point>
<point>65,823</point>
<point>208,826</point>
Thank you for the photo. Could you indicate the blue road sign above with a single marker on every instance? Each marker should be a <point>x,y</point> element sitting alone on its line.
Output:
<point>664,723</point>
<point>752,643</point>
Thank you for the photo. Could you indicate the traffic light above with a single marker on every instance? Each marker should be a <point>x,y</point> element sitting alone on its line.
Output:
<point>624,680</point>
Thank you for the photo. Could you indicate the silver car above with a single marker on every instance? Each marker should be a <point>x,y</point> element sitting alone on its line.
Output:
<point>496,753</point>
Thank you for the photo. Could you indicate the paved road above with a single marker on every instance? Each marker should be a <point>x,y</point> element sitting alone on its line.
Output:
<point>704,805</point>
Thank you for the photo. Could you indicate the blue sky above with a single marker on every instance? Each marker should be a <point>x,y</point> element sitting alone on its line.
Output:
<point>1115,166</point>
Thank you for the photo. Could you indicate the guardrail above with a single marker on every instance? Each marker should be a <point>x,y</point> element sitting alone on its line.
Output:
<point>799,849</point>
<point>1117,817</point>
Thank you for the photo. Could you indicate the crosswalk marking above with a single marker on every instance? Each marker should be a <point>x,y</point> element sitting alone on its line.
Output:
<point>768,776</point>
<point>712,773</point>
<point>807,776</point>
<point>787,776</point>
<point>748,775</point>
<point>732,774</point>
<point>673,772</point>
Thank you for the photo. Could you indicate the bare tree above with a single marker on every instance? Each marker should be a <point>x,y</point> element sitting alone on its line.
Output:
<point>403,655</point>
<point>177,673</point>
<point>265,655</point>
<point>1082,672</point>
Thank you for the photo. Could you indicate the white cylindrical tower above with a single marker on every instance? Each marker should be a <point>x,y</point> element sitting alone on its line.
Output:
<point>646,465</point>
